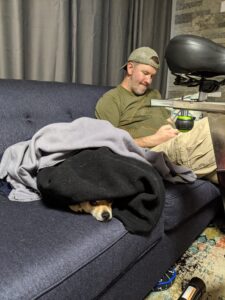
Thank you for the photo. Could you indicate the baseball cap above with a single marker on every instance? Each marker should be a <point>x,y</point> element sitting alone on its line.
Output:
<point>144,55</point>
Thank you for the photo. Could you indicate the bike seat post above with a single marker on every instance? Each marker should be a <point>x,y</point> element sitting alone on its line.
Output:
<point>202,96</point>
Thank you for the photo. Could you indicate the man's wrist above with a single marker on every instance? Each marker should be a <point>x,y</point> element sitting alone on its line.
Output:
<point>146,141</point>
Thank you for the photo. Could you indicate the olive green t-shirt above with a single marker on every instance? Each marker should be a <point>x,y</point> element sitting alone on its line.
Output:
<point>132,113</point>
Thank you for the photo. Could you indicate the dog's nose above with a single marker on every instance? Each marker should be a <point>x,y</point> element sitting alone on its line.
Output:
<point>105,215</point>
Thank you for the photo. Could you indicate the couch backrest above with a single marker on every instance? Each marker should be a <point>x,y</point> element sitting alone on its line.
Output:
<point>26,106</point>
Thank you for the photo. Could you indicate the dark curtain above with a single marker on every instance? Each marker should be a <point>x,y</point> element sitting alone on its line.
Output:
<point>83,41</point>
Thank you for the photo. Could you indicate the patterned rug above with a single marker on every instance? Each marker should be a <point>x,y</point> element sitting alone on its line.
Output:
<point>204,259</point>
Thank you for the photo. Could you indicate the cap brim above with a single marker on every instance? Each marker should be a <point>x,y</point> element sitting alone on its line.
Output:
<point>123,67</point>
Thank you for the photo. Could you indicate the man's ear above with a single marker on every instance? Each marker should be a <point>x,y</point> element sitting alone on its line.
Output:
<point>130,67</point>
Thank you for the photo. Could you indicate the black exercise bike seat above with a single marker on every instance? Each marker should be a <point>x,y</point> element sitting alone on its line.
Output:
<point>195,55</point>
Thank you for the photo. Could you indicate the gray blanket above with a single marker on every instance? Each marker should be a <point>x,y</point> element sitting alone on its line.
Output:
<point>56,142</point>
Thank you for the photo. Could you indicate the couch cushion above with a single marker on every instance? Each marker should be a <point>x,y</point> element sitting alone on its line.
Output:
<point>184,200</point>
<point>41,248</point>
<point>27,106</point>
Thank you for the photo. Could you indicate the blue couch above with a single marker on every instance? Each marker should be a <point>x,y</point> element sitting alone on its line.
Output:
<point>47,253</point>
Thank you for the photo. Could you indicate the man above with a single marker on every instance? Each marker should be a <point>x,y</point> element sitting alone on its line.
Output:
<point>128,106</point>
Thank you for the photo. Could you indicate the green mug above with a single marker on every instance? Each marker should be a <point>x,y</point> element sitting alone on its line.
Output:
<point>184,123</point>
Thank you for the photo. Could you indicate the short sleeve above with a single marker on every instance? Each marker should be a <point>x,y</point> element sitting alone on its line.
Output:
<point>107,108</point>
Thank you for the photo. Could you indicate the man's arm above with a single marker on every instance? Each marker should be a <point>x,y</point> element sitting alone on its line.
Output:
<point>107,109</point>
<point>163,134</point>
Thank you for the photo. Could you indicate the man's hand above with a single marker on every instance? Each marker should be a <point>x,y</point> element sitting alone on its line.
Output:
<point>163,134</point>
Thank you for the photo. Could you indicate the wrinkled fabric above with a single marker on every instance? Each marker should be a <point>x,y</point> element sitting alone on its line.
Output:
<point>136,188</point>
<point>56,142</point>
<point>193,149</point>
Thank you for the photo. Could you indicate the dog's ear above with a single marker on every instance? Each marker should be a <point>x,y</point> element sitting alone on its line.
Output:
<point>76,207</point>
<point>94,203</point>
<point>100,202</point>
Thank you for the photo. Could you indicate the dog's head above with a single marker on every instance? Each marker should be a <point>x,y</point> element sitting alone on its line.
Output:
<point>101,210</point>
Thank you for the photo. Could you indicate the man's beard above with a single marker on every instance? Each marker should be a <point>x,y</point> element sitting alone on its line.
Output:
<point>140,89</point>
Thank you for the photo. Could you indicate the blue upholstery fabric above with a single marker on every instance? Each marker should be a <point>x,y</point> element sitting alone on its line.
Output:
<point>184,200</point>
<point>30,105</point>
<point>53,254</point>
<point>42,247</point>
<point>159,260</point>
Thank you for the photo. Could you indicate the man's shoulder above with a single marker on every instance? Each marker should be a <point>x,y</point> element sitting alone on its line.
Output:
<point>112,94</point>
<point>113,91</point>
